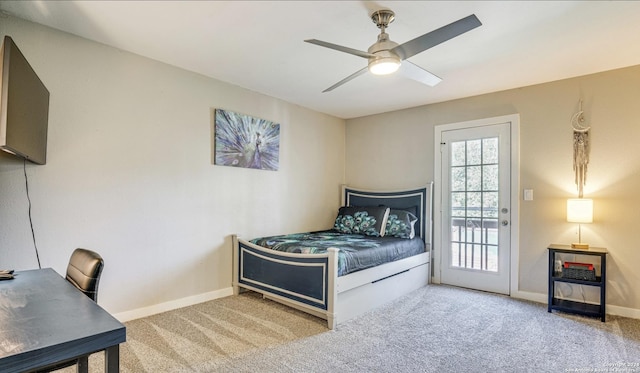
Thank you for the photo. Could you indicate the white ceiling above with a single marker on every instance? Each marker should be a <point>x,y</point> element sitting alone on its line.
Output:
<point>259,45</point>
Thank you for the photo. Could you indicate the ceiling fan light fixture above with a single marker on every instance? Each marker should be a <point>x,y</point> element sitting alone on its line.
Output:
<point>384,65</point>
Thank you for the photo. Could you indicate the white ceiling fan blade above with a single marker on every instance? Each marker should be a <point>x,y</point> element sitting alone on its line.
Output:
<point>340,48</point>
<point>417,73</point>
<point>352,76</point>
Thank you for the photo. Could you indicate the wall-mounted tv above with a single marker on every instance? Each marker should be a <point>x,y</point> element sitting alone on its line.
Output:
<point>24,106</point>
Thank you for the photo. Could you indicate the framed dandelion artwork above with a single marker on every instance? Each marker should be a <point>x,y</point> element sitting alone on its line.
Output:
<point>245,141</point>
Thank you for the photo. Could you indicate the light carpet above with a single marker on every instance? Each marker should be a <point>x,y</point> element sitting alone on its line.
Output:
<point>434,329</point>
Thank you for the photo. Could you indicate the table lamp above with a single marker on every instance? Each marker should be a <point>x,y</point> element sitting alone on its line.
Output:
<point>580,210</point>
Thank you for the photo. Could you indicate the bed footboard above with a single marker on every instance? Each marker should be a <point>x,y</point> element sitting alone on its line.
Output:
<point>305,281</point>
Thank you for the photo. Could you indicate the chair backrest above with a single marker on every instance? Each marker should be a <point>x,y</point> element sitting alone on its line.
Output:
<point>84,270</point>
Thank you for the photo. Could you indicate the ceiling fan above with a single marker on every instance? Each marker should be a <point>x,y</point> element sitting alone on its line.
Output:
<point>386,56</point>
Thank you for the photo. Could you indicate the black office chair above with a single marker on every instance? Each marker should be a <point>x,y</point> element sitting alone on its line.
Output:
<point>83,272</point>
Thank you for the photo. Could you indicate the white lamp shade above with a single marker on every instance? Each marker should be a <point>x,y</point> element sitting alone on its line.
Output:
<point>580,210</point>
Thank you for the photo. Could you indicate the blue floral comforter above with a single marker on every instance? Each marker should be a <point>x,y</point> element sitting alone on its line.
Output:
<point>357,252</point>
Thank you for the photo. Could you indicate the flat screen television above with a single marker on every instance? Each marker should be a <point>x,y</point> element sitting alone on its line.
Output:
<point>24,106</point>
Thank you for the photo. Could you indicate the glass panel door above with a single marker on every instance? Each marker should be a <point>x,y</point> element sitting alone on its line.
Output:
<point>475,192</point>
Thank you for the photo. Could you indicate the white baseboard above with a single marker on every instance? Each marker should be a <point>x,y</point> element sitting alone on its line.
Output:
<point>632,313</point>
<point>172,305</point>
<point>189,301</point>
<point>534,297</point>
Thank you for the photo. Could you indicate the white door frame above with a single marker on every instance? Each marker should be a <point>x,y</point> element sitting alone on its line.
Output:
<point>514,120</point>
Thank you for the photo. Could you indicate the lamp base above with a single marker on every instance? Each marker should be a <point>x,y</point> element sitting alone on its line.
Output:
<point>580,246</point>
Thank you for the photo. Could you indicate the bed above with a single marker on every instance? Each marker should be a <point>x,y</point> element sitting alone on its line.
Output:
<point>316,277</point>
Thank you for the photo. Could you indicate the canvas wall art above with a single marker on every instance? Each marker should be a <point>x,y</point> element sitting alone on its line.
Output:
<point>245,141</point>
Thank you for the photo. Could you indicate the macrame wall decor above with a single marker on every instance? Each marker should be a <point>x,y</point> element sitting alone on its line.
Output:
<point>581,147</point>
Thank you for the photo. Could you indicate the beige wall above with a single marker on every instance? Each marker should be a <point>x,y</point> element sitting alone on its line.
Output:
<point>129,173</point>
<point>611,102</point>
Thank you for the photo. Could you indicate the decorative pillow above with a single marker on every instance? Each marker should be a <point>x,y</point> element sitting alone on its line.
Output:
<point>369,221</point>
<point>401,224</point>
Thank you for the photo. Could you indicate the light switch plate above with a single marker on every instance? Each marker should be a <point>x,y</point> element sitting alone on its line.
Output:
<point>528,194</point>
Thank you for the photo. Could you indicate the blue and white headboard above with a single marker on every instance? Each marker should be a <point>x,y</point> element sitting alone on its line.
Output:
<point>419,200</point>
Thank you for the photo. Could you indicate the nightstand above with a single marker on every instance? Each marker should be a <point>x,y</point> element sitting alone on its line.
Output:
<point>580,308</point>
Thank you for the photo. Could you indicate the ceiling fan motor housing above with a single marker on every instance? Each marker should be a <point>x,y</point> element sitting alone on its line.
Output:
<point>383,44</point>
<point>385,61</point>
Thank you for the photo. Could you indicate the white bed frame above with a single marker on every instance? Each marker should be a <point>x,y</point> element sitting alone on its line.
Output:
<point>309,282</point>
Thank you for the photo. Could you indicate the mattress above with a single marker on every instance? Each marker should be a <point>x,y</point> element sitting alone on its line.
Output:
<point>356,252</point>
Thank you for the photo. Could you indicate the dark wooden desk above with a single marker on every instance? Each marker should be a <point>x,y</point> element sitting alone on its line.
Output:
<point>44,320</point>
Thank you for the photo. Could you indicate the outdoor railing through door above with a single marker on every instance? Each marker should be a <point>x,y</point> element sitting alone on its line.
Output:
<point>474,243</point>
